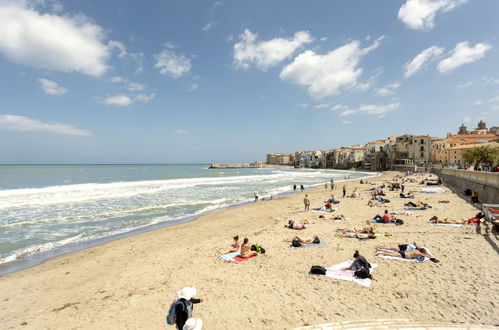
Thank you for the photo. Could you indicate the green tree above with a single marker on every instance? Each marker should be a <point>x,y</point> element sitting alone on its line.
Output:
<point>482,155</point>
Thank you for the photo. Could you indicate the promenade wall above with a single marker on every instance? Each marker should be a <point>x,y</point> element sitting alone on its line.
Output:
<point>486,184</point>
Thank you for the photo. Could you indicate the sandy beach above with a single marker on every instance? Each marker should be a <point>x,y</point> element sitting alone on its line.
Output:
<point>130,283</point>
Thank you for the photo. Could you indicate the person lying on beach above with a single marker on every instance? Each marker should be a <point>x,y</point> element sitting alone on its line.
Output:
<point>333,200</point>
<point>400,247</point>
<point>313,240</point>
<point>235,246</point>
<point>246,250</point>
<point>419,204</point>
<point>435,219</point>
<point>354,234</point>
<point>296,225</point>
<point>418,253</point>
<point>355,194</point>
<point>372,203</point>
<point>408,195</point>
<point>333,217</point>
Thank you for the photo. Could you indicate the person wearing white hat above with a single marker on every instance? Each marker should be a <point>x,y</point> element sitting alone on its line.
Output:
<point>193,324</point>
<point>183,311</point>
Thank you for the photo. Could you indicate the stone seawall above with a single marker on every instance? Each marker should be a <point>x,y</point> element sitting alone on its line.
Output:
<point>486,184</point>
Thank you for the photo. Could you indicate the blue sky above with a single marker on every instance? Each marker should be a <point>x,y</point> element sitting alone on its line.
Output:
<point>229,81</point>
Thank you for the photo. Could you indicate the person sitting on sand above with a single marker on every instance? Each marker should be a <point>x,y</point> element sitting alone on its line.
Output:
<point>234,247</point>
<point>355,194</point>
<point>435,219</point>
<point>296,225</point>
<point>386,218</point>
<point>359,263</point>
<point>313,240</point>
<point>333,200</point>
<point>246,249</point>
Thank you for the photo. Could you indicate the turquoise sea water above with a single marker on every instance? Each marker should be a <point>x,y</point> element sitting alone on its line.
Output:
<point>46,207</point>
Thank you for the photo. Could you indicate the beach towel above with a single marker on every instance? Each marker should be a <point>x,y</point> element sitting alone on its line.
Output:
<point>382,222</point>
<point>323,209</point>
<point>337,272</point>
<point>444,202</point>
<point>453,225</point>
<point>233,257</point>
<point>322,244</point>
<point>415,208</point>
<point>432,190</point>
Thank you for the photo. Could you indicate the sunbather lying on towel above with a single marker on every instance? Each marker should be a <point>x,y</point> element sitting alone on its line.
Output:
<point>372,203</point>
<point>355,234</point>
<point>313,240</point>
<point>408,195</point>
<point>333,217</point>
<point>418,253</point>
<point>419,204</point>
<point>435,219</point>
<point>296,225</point>
<point>400,247</point>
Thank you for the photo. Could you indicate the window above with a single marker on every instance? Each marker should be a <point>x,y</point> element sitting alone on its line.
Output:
<point>422,141</point>
<point>422,148</point>
<point>422,155</point>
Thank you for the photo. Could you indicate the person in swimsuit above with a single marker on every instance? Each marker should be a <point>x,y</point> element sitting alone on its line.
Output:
<point>246,250</point>
<point>435,219</point>
<point>314,240</point>
<point>418,253</point>
<point>296,225</point>
<point>234,247</point>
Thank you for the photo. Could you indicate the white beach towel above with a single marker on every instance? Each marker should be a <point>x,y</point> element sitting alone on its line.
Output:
<point>323,209</point>
<point>338,273</point>
<point>403,259</point>
<point>432,190</point>
<point>452,225</point>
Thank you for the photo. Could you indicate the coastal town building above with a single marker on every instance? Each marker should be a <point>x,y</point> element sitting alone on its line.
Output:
<point>280,159</point>
<point>456,154</point>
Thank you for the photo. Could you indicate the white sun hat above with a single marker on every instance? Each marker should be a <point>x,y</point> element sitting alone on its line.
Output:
<point>193,324</point>
<point>187,293</point>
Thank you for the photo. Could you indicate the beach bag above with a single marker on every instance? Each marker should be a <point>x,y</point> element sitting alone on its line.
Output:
<point>362,273</point>
<point>318,270</point>
<point>296,243</point>
<point>171,318</point>
<point>257,248</point>
<point>399,222</point>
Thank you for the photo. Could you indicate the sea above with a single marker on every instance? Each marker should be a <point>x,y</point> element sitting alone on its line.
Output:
<point>48,210</point>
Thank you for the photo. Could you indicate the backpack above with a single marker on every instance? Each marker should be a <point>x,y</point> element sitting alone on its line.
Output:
<point>296,243</point>
<point>318,270</point>
<point>399,222</point>
<point>171,318</point>
<point>362,273</point>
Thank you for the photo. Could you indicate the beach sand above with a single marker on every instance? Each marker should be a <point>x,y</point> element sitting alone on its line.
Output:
<point>130,282</point>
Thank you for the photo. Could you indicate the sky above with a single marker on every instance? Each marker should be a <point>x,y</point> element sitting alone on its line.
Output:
<point>219,81</point>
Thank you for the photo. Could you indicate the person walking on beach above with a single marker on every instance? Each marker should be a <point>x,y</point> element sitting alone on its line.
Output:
<point>294,188</point>
<point>306,201</point>
<point>402,186</point>
<point>302,188</point>
<point>325,186</point>
<point>255,194</point>
<point>184,306</point>
<point>332,185</point>
<point>344,190</point>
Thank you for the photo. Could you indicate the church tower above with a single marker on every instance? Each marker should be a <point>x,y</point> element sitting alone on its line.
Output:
<point>462,130</point>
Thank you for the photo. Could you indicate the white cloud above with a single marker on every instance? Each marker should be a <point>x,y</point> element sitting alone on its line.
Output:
<point>477,102</point>
<point>490,81</point>
<point>339,107</point>
<point>145,98</point>
<point>465,85</point>
<point>265,54</point>
<point>51,87</point>
<point>323,39</point>
<point>180,131</point>
<point>387,90</point>
<point>52,42</point>
<point>116,79</point>
<point>463,54</point>
<point>119,100</point>
<point>135,87</point>
<point>122,100</point>
<point>326,75</point>
<point>172,64</point>
<point>418,62</point>
<point>118,45</point>
<point>193,86</point>
<point>21,123</point>
<point>346,122</point>
<point>372,109</point>
<point>322,106</point>
<point>420,14</point>
<point>209,26</point>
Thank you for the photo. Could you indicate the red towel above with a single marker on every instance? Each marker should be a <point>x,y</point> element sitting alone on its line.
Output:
<point>241,259</point>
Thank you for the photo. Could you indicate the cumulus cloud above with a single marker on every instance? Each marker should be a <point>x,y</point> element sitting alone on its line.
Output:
<point>21,123</point>
<point>372,109</point>
<point>116,79</point>
<point>134,87</point>
<point>52,42</point>
<point>265,54</point>
<point>326,75</point>
<point>421,59</point>
<point>463,54</point>
<point>180,131</point>
<point>51,87</point>
<point>123,100</point>
<point>172,64</point>
<point>420,14</point>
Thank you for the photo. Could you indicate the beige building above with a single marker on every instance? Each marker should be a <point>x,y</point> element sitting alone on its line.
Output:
<point>440,148</point>
<point>455,154</point>
<point>280,159</point>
